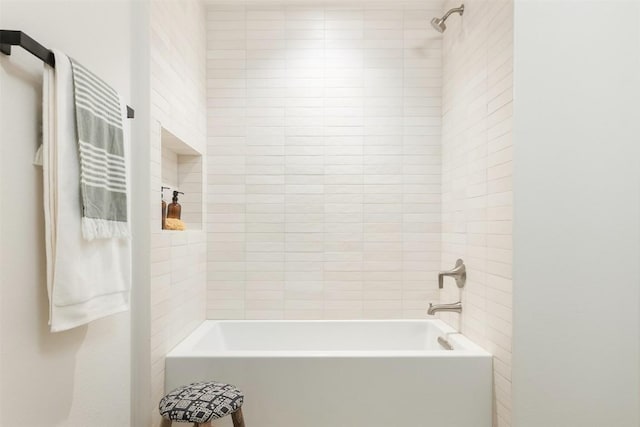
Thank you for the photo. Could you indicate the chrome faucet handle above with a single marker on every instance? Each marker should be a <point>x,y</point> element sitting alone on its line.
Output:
<point>459,272</point>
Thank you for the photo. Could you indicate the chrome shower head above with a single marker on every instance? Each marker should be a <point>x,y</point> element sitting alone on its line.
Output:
<point>439,23</point>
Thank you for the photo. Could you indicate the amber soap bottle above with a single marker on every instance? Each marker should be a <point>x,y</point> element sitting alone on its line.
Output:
<point>174,209</point>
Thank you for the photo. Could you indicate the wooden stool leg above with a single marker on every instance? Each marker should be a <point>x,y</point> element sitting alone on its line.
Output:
<point>166,422</point>
<point>237,418</point>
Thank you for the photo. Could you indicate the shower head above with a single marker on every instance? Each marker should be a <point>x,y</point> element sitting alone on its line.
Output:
<point>439,23</point>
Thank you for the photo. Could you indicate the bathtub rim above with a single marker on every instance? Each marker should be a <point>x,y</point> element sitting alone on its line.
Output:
<point>463,346</point>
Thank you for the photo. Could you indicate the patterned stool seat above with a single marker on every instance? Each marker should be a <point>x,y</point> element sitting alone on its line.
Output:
<point>201,402</point>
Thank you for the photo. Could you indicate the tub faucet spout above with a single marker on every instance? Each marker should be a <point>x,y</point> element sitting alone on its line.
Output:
<point>454,307</point>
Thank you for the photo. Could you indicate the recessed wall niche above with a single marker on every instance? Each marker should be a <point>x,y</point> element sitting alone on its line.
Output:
<point>182,171</point>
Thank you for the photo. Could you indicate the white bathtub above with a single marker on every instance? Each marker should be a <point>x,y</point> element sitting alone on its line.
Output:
<point>341,373</point>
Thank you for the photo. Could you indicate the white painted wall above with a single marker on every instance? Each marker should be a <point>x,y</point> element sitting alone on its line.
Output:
<point>141,399</point>
<point>576,214</point>
<point>80,377</point>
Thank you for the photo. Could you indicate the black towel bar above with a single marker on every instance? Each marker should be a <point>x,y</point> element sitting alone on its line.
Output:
<point>18,38</point>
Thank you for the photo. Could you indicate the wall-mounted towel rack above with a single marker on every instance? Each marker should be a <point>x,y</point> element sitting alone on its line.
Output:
<point>18,38</point>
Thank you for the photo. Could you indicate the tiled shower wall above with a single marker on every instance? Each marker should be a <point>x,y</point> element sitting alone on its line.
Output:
<point>178,104</point>
<point>477,179</point>
<point>324,161</point>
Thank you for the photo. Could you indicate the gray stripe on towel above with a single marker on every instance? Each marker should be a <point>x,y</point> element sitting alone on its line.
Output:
<point>112,208</point>
<point>101,145</point>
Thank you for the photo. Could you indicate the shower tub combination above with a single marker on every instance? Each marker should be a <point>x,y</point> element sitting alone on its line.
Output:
<point>387,373</point>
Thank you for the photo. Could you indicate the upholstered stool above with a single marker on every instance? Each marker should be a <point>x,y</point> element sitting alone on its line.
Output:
<point>202,402</point>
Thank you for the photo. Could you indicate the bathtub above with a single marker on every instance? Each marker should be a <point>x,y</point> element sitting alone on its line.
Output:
<point>387,373</point>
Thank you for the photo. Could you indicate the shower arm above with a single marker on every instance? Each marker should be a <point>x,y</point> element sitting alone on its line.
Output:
<point>459,10</point>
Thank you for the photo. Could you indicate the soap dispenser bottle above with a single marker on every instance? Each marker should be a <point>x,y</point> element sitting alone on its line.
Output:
<point>164,207</point>
<point>174,210</point>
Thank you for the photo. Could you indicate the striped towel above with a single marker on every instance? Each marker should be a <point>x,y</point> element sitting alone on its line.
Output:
<point>103,183</point>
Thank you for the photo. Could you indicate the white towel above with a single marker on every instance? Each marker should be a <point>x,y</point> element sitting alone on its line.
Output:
<point>86,280</point>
